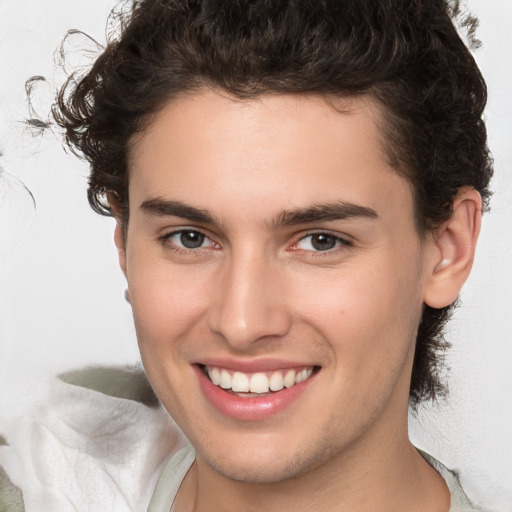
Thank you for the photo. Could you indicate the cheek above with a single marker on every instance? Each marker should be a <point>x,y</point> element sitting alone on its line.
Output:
<point>365,312</point>
<point>166,301</point>
<point>168,304</point>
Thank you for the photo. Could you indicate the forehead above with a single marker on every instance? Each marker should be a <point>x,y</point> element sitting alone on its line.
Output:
<point>284,151</point>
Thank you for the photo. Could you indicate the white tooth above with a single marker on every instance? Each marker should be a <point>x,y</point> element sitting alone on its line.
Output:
<point>259,383</point>
<point>240,382</point>
<point>289,379</point>
<point>276,381</point>
<point>225,379</point>
<point>309,372</point>
<point>304,374</point>
<point>298,378</point>
<point>214,375</point>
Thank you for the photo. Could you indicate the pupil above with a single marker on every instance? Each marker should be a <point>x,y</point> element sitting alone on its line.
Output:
<point>323,242</point>
<point>191,239</point>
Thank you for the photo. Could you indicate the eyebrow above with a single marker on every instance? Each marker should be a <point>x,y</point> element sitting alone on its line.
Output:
<point>339,210</point>
<point>164,208</point>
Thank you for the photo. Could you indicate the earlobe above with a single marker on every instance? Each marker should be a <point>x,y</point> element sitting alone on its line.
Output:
<point>455,244</point>
<point>119,232</point>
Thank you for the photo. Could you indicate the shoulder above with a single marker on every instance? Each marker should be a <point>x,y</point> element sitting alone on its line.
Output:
<point>102,437</point>
<point>459,500</point>
<point>170,480</point>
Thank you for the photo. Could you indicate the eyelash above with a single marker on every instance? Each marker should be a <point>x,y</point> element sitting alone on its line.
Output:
<point>165,240</point>
<point>340,242</point>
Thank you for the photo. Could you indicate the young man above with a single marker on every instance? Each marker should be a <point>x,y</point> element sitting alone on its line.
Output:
<point>298,188</point>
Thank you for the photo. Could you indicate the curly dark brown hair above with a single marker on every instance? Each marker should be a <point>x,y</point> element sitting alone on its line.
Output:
<point>406,54</point>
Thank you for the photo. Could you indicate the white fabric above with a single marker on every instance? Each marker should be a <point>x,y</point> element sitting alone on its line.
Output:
<point>87,452</point>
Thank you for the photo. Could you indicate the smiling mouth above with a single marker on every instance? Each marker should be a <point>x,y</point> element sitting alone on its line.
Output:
<point>248,385</point>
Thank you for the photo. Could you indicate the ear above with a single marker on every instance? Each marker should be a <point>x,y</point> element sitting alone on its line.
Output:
<point>119,232</point>
<point>454,250</point>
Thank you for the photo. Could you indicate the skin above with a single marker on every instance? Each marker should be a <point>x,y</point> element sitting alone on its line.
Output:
<point>257,289</point>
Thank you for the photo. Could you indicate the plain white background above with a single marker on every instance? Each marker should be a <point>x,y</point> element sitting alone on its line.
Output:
<point>61,294</point>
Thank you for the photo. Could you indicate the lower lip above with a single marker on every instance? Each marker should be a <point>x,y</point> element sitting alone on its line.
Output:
<point>250,408</point>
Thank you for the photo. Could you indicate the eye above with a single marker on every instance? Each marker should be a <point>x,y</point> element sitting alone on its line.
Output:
<point>320,242</point>
<point>188,239</point>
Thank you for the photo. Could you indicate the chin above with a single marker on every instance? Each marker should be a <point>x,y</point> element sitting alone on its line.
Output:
<point>267,468</point>
<point>255,472</point>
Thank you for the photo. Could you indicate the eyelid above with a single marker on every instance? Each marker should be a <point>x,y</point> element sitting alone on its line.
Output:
<point>166,238</point>
<point>345,240</point>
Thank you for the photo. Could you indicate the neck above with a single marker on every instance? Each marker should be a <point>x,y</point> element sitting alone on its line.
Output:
<point>371,476</point>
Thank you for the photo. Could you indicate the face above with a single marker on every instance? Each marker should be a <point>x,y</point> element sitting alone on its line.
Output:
<point>276,279</point>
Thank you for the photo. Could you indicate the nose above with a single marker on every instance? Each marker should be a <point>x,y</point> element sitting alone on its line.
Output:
<point>251,303</point>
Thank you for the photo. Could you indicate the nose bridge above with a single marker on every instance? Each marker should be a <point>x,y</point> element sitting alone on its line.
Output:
<point>251,303</point>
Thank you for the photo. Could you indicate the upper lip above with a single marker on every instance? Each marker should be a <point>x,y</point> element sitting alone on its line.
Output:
<point>253,365</point>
